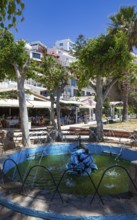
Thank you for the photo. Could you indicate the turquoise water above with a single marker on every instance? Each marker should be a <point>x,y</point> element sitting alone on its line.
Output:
<point>114,182</point>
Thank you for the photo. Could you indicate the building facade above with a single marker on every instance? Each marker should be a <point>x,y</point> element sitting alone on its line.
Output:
<point>37,50</point>
<point>62,49</point>
<point>65,44</point>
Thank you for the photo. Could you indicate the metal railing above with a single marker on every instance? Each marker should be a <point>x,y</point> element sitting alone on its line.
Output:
<point>75,169</point>
<point>119,166</point>
<point>57,185</point>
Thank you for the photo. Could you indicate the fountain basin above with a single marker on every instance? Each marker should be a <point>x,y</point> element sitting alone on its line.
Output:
<point>59,148</point>
<point>29,154</point>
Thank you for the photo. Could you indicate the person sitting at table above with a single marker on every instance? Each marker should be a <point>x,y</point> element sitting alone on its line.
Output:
<point>41,121</point>
<point>5,124</point>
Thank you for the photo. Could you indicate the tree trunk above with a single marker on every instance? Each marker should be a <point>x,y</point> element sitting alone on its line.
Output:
<point>60,135</point>
<point>52,112</point>
<point>58,112</point>
<point>22,107</point>
<point>99,107</point>
<point>125,92</point>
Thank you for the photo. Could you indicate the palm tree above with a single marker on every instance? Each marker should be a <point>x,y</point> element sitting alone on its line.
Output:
<point>125,20</point>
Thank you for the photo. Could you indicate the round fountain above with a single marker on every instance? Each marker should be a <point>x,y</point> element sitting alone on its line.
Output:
<point>63,204</point>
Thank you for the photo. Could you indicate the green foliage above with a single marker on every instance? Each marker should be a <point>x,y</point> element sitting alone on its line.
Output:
<point>133,101</point>
<point>132,109</point>
<point>105,56</point>
<point>11,52</point>
<point>79,44</point>
<point>106,106</point>
<point>125,20</point>
<point>9,11</point>
<point>53,75</point>
<point>81,73</point>
<point>8,95</point>
<point>107,103</point>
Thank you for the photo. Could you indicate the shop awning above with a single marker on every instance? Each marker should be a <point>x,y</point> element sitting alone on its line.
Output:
<point>87,107</point>
<point>70,102</point>
<point>30,104</point>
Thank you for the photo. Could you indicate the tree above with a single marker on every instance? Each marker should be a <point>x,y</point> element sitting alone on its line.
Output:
<point>15,64</point>
<point>102,60</point>
<point>79,44</point>
<point>54,77</point>
<point>107,107</point>
<point>133,94</point>
<point>9,11</point>
<point>133,102</point>
<point>125,20</point>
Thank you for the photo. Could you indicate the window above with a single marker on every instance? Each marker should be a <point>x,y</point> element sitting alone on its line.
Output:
<point>61,44</point>
<point>75,92</point>
<point>73,82</point>
<point>88,93</point>
<point>69,90</point>
<point>34,44</point>
<point>83,93</point>
<point>36,55</point>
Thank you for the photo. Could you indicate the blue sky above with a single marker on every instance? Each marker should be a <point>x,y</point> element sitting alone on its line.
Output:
<point>51,20</point>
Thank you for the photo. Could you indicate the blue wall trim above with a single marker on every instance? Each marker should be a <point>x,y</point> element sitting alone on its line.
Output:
<point>50,216</point>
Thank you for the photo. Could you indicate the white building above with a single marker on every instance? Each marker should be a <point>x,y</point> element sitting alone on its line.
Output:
<point>62,50</point>
<point>65,44</point>
<point>37,49</point>
<point>63,56</point>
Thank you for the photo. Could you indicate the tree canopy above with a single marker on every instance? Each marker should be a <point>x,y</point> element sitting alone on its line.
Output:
<point>106,56</point>
<point>54,76</point>
<point>9,11</point>
<point>12,51</point>
<point>125,20</point>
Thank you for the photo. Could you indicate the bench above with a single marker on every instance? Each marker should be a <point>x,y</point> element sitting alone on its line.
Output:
<point>117,133</point>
